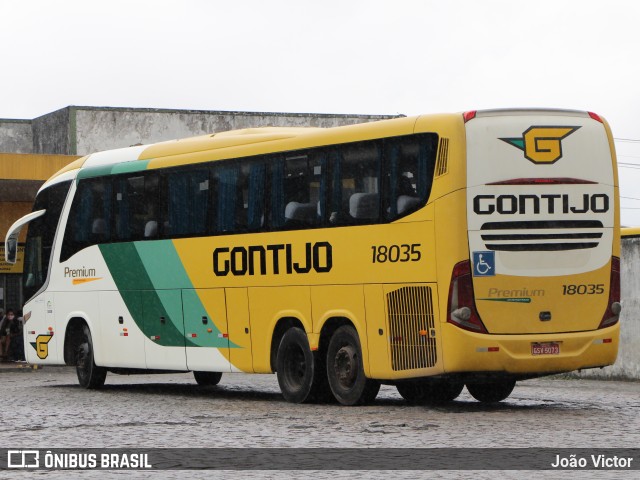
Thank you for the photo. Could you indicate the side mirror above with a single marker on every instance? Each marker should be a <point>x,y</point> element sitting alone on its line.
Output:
<point>11,240</point>
<point>11,250</point>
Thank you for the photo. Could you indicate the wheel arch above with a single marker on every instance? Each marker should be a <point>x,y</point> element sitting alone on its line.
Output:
<point>73,337</point>
<point>336,320</point>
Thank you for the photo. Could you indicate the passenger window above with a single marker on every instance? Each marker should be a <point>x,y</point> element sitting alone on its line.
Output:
<point>239,197</point>
<point>409,166</point>
<point>136,207</point>
<point>89,217</point>
<point>355,188</point>
<point>187,207</point>
<point>298,190</point>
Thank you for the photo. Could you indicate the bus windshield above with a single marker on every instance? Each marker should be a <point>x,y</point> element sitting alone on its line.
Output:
<point>40,237</point>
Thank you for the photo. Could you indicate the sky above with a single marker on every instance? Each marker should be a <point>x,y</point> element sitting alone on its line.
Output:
<point>345,56</point>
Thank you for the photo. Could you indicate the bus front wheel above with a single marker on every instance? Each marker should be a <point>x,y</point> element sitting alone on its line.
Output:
<point>433,392</point>
<point>345,371</point>
<point>90,375</point>
<point>491,392</point>
<point>207,379</point>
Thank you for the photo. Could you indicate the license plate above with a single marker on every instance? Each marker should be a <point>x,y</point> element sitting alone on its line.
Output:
<point>548,348</point>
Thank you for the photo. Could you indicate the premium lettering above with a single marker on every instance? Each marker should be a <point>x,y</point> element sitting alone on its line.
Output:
<point>79,272</point>
<point>276,259</point>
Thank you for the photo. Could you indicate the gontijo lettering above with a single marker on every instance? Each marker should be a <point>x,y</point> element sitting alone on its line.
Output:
<point>272,259</point>
<point>536,204</point>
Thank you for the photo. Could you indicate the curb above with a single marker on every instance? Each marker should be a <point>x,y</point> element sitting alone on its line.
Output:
<point>23,366</point>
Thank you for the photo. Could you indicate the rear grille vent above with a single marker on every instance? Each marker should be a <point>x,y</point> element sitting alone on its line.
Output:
<point>411,328</point>
<point>442,163</point>
<point>550,236</point>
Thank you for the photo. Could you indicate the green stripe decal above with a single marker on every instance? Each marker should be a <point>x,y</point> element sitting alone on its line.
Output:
<point>508,300</point>
<point>152,272</point>
<point>165,270</point>
<point>133,282</point>
<point>130,167</point>
<point>162,265</point>
<point>113,169</point>
<point>91,172</point>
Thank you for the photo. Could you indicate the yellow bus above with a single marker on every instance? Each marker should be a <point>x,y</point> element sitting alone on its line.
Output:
<point>428,253</point>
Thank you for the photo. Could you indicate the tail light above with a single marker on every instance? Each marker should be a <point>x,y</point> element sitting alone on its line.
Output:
<point>595,116</point>
<point>612,315</point>
<point>469,115</point>
<point>462,308</point>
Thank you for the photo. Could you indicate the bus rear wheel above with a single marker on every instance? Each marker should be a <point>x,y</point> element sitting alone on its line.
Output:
<point>434,392</point>
<point>491,392</point>
<point>345,371</point>
<point>207,379</point>
<point>295,366</point>
<point>90,376</point>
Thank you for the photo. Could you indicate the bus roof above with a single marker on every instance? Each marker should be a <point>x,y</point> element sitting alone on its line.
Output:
<point>255,141</point>
<point>235,143</point>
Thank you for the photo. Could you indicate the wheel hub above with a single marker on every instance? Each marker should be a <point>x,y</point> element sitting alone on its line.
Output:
<point>346,365</point>
<point>296,366</point>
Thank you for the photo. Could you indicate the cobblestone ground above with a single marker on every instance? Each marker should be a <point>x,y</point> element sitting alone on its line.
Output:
<point>47,409</point>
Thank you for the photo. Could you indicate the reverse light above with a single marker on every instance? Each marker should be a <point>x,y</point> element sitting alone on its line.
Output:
<point>462,309</point>
<point>463,314</point>
<point>612,314</point>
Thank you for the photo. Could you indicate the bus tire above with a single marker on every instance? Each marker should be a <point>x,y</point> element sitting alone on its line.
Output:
<point>345,371</point>
<point>90,376</point>
<point>320,390</point>
<point>295,366</point>
<point>491,392</point>
<point>432,392</point>
<point>207,379</point>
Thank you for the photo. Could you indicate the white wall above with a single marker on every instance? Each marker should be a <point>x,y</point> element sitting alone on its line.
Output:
<point>628,363</point>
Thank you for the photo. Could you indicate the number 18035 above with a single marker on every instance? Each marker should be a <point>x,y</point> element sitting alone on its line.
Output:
<point>589,289</point>
<point>396,253</point>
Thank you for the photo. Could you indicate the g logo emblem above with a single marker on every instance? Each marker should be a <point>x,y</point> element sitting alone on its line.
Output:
<point>41,346</point>
<point>542,145</point>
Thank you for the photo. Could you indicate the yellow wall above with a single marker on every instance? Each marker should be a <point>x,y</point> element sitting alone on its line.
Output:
<point>27,166</point>
<point>18,166</point>
<point>9,213</point>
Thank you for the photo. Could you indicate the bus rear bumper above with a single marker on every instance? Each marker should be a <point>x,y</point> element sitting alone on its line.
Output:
<point>514,354</point>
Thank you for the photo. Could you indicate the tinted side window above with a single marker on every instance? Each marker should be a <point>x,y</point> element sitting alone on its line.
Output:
<point>89,218</point>
<point>187,203</point>
<point>355,194</point>
<point>136,211</point>
<point>239,197</point>
<point>409,166</point>
<point>298,190</point>
<point>40,236</point>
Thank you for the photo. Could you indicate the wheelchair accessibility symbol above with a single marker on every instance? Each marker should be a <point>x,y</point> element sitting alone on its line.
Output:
<point>484,264</point>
